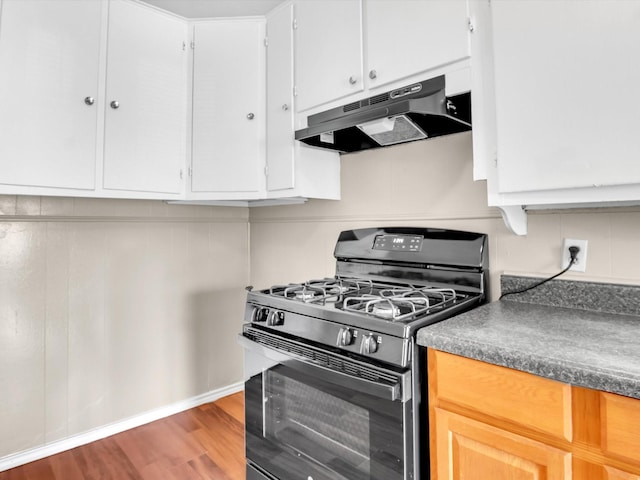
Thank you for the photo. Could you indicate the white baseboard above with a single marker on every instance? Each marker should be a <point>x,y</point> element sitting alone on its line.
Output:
<point>36,453</point>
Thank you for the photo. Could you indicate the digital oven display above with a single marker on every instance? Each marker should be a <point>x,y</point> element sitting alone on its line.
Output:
<point>398,243</point>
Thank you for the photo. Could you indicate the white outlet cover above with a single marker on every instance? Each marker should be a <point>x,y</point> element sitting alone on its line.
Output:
<point>581,264</point>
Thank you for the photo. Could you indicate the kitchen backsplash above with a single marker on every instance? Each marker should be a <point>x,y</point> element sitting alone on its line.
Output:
<point>594,296</point>
<point>429,183</point>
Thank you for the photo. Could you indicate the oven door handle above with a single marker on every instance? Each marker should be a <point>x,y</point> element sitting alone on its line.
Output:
<point>391,392</point>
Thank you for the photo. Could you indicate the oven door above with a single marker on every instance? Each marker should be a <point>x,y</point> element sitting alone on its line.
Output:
<point>312,414</point>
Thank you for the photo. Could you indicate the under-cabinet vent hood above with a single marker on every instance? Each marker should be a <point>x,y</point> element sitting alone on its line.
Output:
<point>417,111</point>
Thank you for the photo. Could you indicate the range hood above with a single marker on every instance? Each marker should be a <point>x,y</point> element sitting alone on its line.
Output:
<point>414,112</point>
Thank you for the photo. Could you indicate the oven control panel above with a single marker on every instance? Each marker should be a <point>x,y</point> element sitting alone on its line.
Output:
<point>398,243</point>
<point>354,339</point>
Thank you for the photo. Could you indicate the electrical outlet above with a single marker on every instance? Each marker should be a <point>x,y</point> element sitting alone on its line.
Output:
<point>581,260</point>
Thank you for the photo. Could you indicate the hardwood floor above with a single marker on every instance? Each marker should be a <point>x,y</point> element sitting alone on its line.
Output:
<point>206,442</point>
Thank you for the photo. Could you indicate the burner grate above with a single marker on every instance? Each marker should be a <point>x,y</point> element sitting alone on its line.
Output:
<point>388,301</point>
<point>322,291</point>
<point>403,303</point>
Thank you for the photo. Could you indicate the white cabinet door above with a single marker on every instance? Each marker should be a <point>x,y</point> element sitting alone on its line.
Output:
<point>145,136</point>
<point>49,63</point>
<point>293,169</point>
<point>328,52</point>
<point>567,97</point>
<point>406,37</point>
<point>280,134</point>
<point>228,106</point>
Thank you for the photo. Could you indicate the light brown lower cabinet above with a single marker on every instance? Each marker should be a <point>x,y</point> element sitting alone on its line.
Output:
<point>494,423</point>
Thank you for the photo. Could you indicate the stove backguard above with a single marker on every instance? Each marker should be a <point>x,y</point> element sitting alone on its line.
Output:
<point>424,246</point>
<point>422,256</point>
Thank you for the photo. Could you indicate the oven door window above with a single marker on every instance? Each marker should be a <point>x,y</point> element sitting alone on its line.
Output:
<point>304,426</point>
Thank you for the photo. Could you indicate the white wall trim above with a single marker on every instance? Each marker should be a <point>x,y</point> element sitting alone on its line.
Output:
<point>452,216</point>
<point>37,453</point>
<point>120,219</point>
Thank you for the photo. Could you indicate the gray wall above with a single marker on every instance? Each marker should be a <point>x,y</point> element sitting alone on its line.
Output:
<point>110,309</point>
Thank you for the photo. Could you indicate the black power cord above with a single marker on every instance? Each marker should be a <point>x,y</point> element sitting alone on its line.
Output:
<point>573,258</point>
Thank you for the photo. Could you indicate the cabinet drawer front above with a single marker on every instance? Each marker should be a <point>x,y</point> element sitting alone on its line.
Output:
<point>615,474</point>
<point>517,397</point>
<point>468,449</point>
<point>620,418</point>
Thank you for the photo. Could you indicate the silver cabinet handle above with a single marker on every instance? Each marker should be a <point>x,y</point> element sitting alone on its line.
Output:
<point>115,104</point>
<point>373,74</point>
<point>285,107</point>
<point>89,100</point>
<point>352,80</point>
<point>250,116</point>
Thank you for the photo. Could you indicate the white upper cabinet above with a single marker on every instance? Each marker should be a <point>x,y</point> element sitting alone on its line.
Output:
<point>576,63</point>
<point>146,95</point>
<point>228,137</point>
<point>328,51</point>
<point>293,169</point>
<point>566,101</point>
<point>49,91</point>
<point>92,99</point>
<point>280,134</point>
<point>347,47</point>
<point>482,86</point>
<point>407,37</point>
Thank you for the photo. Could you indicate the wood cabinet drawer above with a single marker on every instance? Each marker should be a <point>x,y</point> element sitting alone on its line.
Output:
<point>516,397</point>
<point>615,474</point>
<point>620,417</point>
<point>476,450</point>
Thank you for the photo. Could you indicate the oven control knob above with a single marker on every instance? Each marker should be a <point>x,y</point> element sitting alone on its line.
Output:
<point>345,337</point>
<point>276,318</point>
<point>369,344</point>
<point>260,314</point>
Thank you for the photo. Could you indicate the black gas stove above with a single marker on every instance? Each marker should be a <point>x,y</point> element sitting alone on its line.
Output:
<point>334,381</point>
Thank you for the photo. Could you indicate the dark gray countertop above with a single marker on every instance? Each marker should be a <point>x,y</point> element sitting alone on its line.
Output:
<point>588,348</point>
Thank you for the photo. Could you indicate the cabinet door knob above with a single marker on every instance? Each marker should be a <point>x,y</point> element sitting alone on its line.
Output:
<point>373,74</point>
<point>352,80</point>
<point>285,107</point>
<point>89,100</point>
<point>250,116</point>
<point>115,104</point>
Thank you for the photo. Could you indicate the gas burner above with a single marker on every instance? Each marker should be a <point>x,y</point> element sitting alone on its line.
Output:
<point>337,289</point>
<point>305,295</point>
<point>302,291</point>
<point>385,310</point>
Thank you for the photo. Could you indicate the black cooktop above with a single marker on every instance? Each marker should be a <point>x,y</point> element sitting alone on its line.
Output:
<point>397,302</point>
